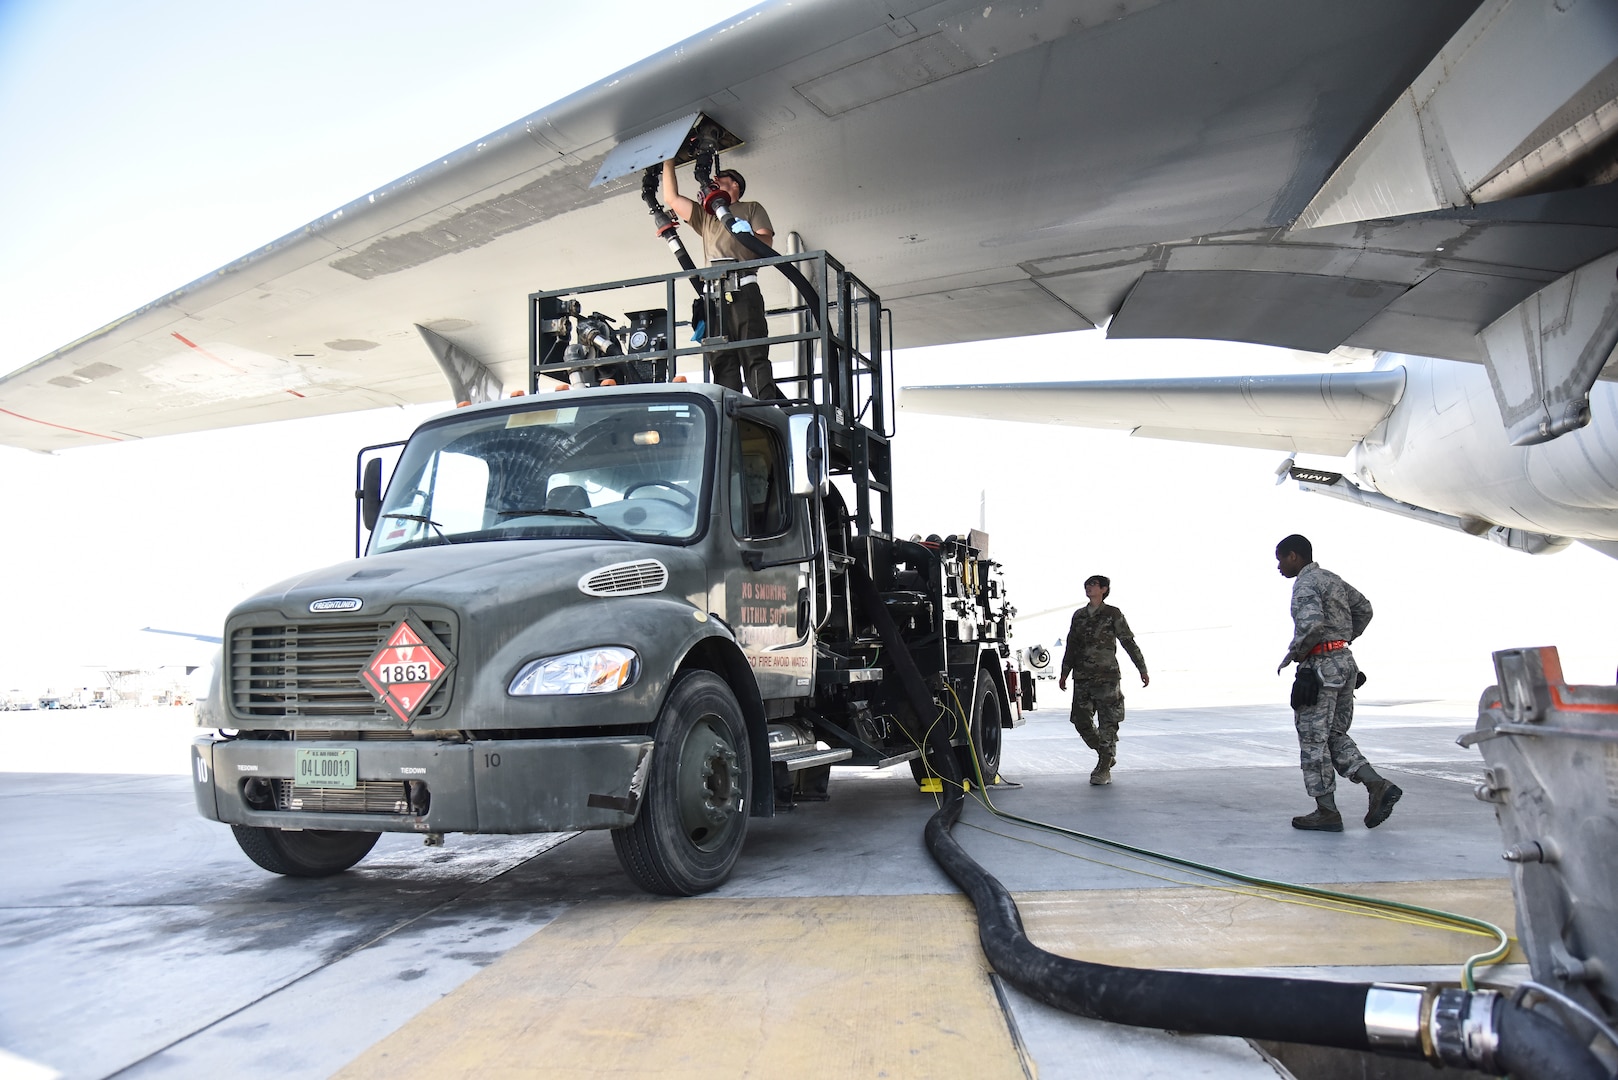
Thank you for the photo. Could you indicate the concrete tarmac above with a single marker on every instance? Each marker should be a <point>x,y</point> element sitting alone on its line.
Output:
<point>136,940</point>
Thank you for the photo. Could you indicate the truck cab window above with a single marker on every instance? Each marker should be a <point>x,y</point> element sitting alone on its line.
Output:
<point>606,470</point>
<point>460,481</point>
<point>758,505</point>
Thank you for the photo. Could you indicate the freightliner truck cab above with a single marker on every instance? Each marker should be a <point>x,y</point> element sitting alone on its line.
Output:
<point>657,608</point>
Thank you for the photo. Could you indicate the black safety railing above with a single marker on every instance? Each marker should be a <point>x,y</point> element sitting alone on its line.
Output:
<point>837,336</point>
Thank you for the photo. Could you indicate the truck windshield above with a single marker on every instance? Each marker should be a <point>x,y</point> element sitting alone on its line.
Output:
<point>627,469</point>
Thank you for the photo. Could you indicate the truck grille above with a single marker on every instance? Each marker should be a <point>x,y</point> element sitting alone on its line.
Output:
<point>312,670</point>
<point>369,797</point>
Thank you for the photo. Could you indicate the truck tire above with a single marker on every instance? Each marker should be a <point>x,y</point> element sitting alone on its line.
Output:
<point>306,852</point>
<point>693,816</point>
<point>986,733</point>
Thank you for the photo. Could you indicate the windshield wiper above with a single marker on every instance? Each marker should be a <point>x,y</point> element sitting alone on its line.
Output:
<point>425,520</point>
<point>559,512</point>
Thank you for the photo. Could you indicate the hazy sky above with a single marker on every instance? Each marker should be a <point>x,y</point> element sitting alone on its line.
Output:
<point>149,144</point>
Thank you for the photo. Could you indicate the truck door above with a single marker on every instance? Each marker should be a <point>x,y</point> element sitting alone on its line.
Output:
<point>774,539</point>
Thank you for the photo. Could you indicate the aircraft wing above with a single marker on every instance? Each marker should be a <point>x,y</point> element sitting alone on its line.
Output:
<point>1250,170</point>
<point>1318,414</point>
<point>209,639</point>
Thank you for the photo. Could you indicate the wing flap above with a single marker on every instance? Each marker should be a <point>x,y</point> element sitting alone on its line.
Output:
<point>1317,414</point>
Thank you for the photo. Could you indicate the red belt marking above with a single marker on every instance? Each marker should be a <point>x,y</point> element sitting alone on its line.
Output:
<point>63,427</point>
<point>188,343</point>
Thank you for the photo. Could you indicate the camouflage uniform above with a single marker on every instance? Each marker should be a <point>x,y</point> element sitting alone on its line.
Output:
<point>1091,657</point>
<point>1327,608</point>
<point>744,304</point>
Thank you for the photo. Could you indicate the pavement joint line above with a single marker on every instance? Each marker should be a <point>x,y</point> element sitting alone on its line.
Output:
<point>332,961</point>
<point>1029,1068</point>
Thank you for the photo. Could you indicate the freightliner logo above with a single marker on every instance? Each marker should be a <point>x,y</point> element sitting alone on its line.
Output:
<point>337,603</point>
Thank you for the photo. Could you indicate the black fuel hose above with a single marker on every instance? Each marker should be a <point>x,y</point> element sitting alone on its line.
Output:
<point>665,225</point>
<point>1532,1045</point>
<point>811,296</point>
<point>1284,1010</point>
<point>667,228</point>
<point>1308,1011</point>
<point>1255,1007</point>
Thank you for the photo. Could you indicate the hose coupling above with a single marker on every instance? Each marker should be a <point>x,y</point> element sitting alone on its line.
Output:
<point>1462,1029</point>
<point>1393,1013</point>
<point>716,202</point>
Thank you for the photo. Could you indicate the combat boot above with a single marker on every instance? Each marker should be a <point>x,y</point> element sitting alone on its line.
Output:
<point>1383,793</point>
<point>1320,820</point>
<point>1101,775</point>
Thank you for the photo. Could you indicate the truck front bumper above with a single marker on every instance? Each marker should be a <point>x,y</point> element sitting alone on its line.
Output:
<point>507,786</point>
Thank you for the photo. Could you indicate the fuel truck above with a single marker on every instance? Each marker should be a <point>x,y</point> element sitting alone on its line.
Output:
<point>632,602</point>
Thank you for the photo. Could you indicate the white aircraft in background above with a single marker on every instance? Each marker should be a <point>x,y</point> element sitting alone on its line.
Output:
<point>210,639</point>
<point>1431,180</point>
<point>1423,438</point>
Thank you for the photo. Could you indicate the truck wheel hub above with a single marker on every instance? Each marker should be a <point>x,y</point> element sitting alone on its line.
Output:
<point>708,792</point>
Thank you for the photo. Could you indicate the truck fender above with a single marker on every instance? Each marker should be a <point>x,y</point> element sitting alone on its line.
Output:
<point>716,650</point>
<point>989,663</point>
<point>660,628</point>
<point>210,709</point>
<point>987,667</point>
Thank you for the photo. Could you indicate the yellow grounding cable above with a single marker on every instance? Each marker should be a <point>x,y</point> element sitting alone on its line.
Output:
<point>1261,888</point>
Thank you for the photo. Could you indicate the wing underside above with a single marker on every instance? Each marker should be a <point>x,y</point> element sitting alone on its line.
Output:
<point>1060,165</point>
<point>1318,414</point>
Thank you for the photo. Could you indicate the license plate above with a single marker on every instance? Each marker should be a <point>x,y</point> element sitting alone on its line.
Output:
<point>326,768</point>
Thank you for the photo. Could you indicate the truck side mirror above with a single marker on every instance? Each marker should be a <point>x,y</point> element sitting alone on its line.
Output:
<point>371,493</point>
<point>808,453</point>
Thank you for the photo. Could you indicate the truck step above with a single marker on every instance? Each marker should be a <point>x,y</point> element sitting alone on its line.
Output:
<point>809,757</point>
<point>847,676</point>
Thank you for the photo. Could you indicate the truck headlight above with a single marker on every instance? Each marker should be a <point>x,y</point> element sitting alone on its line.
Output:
<point>590,671</point>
